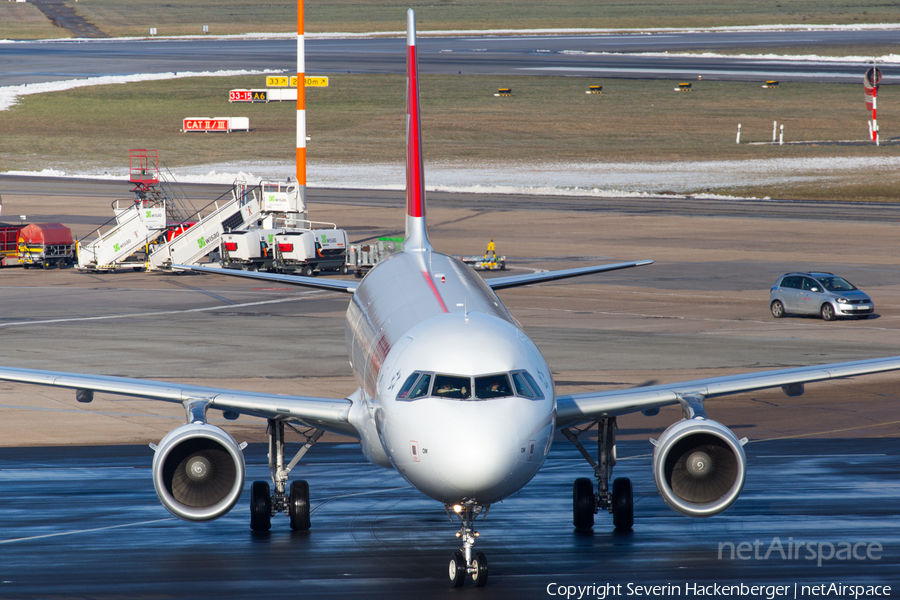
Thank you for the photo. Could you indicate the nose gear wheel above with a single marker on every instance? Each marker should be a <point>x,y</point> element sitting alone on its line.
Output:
<point>464,561</point>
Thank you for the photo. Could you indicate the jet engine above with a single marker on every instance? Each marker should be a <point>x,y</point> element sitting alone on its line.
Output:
<point>699,467</point>
<point>198,472</point>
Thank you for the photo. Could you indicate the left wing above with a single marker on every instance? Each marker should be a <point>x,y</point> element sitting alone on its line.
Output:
<point>573,409</point>
<point>315,282</point>
<point>500,283</point>
<point>330,414</point>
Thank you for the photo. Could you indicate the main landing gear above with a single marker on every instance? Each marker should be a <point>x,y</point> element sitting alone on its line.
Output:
<point>619,501</point>
<point>264,505</point>
<point>463,561</point>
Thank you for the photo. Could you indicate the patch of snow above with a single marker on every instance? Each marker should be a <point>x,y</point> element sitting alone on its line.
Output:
<point>9,95</point>
<point>639,179</point>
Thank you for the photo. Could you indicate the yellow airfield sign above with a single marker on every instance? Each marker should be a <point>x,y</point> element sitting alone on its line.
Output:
<point>285,81</point>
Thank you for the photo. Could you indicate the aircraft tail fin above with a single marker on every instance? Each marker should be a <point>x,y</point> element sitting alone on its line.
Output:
<point>416,234</point>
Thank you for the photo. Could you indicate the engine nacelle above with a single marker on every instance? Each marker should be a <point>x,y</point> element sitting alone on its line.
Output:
<point>699,467</point>
<point>198,472</point>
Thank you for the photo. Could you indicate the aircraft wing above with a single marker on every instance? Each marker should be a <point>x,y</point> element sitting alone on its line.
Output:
<point>315,282</point>
<point>330,414</point>
<point>573,409</point>
<point>500,283</point>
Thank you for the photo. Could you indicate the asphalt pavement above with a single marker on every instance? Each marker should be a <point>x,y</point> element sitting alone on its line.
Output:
<point>601,55</point>
<point>84,522</point>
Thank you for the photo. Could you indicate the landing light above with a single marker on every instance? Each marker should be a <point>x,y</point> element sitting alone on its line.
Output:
<point>457,508</point>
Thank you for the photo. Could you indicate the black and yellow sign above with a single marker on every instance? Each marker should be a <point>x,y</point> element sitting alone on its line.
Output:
<point>260,96</point>
<point>285,81</point>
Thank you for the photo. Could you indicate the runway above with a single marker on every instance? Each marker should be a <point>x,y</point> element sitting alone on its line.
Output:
<point>605,55</point>
<point>85,522</point>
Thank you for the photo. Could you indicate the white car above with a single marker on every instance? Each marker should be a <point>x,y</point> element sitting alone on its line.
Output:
<point>822,294</point>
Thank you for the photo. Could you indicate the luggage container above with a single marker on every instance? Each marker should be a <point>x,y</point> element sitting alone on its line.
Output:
<point>362,257</point>
<point>45,245</point>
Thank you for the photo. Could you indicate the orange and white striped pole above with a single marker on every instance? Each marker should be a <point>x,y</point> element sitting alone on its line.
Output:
<point>301,111</point>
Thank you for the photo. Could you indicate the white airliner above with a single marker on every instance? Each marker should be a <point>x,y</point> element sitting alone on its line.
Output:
<point>452,394</point>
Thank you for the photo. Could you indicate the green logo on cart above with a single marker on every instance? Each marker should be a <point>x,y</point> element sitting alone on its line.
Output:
<point>202,242</point>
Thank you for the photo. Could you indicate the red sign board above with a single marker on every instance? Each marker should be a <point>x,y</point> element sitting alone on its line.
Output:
<point>205,125</point>
<point>240,96</point>
<point>248,96</point>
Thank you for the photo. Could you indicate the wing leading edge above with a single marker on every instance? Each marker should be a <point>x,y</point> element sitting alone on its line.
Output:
<point>500,283</point>
<point>579,408</point>
<point>330,414</point>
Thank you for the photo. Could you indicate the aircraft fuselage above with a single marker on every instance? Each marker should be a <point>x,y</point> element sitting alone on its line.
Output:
<point>474,435</point>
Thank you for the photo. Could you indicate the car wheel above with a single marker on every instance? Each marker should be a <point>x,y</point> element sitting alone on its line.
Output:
<point>827,312</point>
<point>777,309</point>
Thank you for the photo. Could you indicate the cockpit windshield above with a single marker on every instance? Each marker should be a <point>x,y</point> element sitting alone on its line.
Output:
<point>451,386</point>
<point>459,387</point>
<point>492,386</point>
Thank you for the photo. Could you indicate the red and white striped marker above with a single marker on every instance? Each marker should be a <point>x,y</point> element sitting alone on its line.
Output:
<point>301,110</point>
<point>875,116</point>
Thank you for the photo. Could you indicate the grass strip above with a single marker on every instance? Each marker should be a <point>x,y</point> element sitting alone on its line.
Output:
<point>23,21</point>
<point>361,118</point>
<point>136,17</point>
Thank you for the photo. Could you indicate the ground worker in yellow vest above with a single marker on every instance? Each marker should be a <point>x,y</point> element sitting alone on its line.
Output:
<point>491,249</point>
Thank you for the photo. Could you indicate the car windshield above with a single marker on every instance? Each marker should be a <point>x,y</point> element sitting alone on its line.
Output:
<point>836,284</point>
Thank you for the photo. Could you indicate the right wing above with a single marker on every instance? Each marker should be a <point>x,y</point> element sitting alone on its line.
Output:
<point>330,414</point>
<point>572,409</point>
<point>500,283</point>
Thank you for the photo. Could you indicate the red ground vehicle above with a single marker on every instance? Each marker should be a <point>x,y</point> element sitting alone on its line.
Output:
<point>9,237</point>
<point>45,245</point>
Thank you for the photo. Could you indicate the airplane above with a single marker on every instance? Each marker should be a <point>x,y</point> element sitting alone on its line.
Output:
<point>452,394</point>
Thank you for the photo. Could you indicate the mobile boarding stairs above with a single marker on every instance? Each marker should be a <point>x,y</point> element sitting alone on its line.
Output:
<point>146,226</point>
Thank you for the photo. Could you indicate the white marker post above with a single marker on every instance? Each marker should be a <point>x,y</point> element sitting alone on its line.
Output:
<point>738,141</point>
<point>781,136</point>
<point>774,128</point>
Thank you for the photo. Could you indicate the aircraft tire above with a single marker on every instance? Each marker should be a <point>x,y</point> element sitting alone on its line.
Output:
<point>300,505</point>
<point>583,504</point>
<point>480,576</point>
<point>623,504</point>
<point>260,506</point>
<point>457,569</point>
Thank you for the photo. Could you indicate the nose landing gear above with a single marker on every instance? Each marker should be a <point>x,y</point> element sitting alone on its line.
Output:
<point>463,561</point>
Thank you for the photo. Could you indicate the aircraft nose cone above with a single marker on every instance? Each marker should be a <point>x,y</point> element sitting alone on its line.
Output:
<point>476,457</point>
